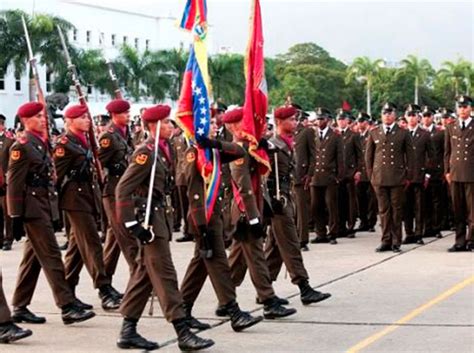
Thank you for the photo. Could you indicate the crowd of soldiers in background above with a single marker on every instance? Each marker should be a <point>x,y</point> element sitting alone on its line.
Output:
<point>336,175</point>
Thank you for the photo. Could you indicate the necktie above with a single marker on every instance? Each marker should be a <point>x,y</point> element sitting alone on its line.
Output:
<point>463,125</point>
<point>321,135</point>
<point>388,130</point>
<point>413,133</point>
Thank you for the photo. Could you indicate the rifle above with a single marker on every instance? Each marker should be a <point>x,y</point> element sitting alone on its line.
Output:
<point>34,71</point>
<point>82,100</point>
<point>113,77</point>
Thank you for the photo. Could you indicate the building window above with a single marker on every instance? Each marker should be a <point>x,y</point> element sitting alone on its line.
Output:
<point>17,82</point>
<point>2,81</point>
<point>49,80</point>
<point>147,44</point>
<point>125,39</point>
<point>74,34</point>
<point>88,36</point>
<point>101,38</point>
<point>136,43</point>
<point>113,39</point>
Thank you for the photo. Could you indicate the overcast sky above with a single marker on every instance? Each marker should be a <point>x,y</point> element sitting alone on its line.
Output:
<point>436,30</point>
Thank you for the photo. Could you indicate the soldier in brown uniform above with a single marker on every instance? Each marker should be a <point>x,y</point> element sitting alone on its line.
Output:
<point>155,270</point>
<point>353,161</point>
<point>115,150</point>
<point>366,199</point>
<point>304,155</point>
<point>328,171</point>
<point>247,216</point>
<point>32,203</point>
<point>6,236</point>
<point>80,199</point>
<point>209,252</point>
<point>9,332</point>
<point>389,160</point>
<point>433,194</point>
<point>413,210</point>
<point>459,172</point>
<point>282,244</point>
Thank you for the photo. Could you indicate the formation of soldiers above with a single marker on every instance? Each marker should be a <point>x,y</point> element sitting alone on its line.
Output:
<point>335,177</point>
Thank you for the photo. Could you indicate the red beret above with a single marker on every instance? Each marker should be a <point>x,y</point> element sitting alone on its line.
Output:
<point>75,111</point>
<point>155,113</point>
<point>233,116</point>
<point>29,109</point>
<point>118,106</point>
<point>282,113</point>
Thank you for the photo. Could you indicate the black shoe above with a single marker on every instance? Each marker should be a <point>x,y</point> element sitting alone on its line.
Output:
<point>9,332</point>
<point>396,248</point>
<point>383,248</point>
<point>420,241</point>
<point>304,248</point>
<point>115,292</point>
<point>411,239</point>
<point>7,246</point>
<point>457,248</point>
<point>24,315</point>
<point>362,228</point>
<point>221,311</point>
<point>280,301</point>
<point>109,300</point>
<point>81,305</point>
<point>129,337</point>
<point>191,320</point>
<point>333,242</point>
<point>187,340</point>
<point>309,295</point>
<point>351,235</point>
<point>72,314</point>
<point>274,311</point>
<point>185,238</point>
<point>240,320</point>
<point>371,230</point>
<point>319,240</point>
<point>438,235</point>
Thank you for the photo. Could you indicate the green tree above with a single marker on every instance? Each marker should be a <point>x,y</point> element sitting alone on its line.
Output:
<point>175,60</point>
<point>227,77</point>
<point>365,70</point>
<point>456,73</point>
<point>420,70</point>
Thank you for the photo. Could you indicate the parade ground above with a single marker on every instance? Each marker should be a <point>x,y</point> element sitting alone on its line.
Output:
<point>419,300</point>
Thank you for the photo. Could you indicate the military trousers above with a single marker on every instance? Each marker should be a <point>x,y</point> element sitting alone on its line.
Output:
<point>6,234</point>
<point>324,205</point>
<point>41,251</point>
<point>463,207</point>
<point>216,267</point>
<point>5,315</point>
<point>433,215</point>
<point>154,271</point>
<point>248,252</point>
<point>303,203</point>
<point>283,246</point>
<point>117,239</point>
<point>367,204</point>
<point>390,201</point>
<point>84,247</point>
<point>414,210</point>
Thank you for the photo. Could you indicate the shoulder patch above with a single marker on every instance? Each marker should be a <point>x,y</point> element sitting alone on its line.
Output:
<point>15,155</point>
<point>141,158</point>
<point>239,161</point>
<point>190,157</point>
<point>105,142</point>
<point>59,152</point>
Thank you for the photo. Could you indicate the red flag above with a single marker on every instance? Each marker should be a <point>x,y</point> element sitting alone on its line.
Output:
<point>256,101</point>
<point>346,106</point>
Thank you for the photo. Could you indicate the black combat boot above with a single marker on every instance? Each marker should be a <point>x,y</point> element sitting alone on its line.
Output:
<point>187,340</point>
<point>72,314</point>
<point>309,295</point>
<point>272,309</point>
<point>9,332</point>
<point>240,320</point>
<point>129,337</point>
<point>109,300</point>
<point>192,321</point>
<point>22,314</point>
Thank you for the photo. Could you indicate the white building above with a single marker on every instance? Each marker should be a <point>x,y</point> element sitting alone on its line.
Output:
<point>97,27</point>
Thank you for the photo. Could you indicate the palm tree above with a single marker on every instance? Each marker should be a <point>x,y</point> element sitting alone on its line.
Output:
<point>44,41</point>
<point>419,69</point>
<point>456,73</point>
<point>364,70</point>
<point>226,71</point>
<point>176,60</point>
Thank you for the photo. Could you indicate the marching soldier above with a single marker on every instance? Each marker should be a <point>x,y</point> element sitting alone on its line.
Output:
<point>459,172</point>
<point>114,151</point>
<point>414,211</point>
<point>155,270</point>
<point>6,236</point>
<point>80,199</point>
<point>433,194</point>
<point>389,160</point>
<point>282,244</point>
<point>247,216</point>
<point>209,251</point>
<point>9,332</point>
<point>329,170</point>
<point>305,158</point>
<point>366,199</point>
<point>447,117</point>
<point>32,203</point>
<point>352,156</point>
